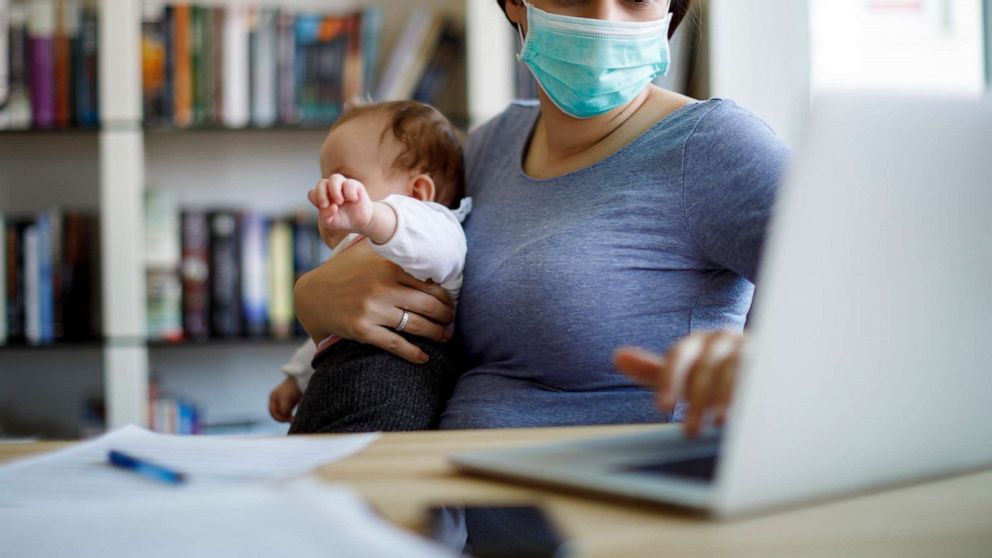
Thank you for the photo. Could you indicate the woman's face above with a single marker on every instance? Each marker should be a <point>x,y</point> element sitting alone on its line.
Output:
<point>610,10</point>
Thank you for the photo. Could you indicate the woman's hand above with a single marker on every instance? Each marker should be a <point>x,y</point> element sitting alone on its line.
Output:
<point>361,296</point>
<point>700,369</point>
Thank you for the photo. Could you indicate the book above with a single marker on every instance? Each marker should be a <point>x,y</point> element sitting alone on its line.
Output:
<point>435,78</point>
<point>153,68</point>
<point>196,274</point>
<point>201,41</point>
<point>41,29</point>
<point>236,111</point>
<point>45,278</point>
<point>281,278</point>
<point>79,277</point>
<point>164,305</point>
<point>182,81</point>
<point>15,112</point>
<point>16,269</point>
<point>4,50</point>
<point>225,275</point>
<point>64,43</point>
<point>162,263</point>
<point>370,28</point>
<point>286,68</point>
<point>3,266</point>
<point>32,281</point>
<point>410,55</point>
<point>263,41</point>
<point>254,282</point>
<point>86,77</point>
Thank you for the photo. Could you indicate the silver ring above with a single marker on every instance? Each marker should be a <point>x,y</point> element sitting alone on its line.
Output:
<point>403,321</point>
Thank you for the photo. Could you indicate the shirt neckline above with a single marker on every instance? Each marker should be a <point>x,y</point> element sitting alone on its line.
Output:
<point>522,145</point>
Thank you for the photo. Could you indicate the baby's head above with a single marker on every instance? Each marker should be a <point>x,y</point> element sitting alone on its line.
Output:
<point>397,147</point>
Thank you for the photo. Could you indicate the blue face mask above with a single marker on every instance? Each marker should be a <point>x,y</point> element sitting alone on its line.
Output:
<point>588,67</point>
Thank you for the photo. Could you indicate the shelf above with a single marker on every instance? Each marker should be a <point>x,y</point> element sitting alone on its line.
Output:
<point>225,341</point>
<point>100,343</point>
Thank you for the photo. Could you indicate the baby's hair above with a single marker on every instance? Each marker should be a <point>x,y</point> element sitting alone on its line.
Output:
<point>429,143</point>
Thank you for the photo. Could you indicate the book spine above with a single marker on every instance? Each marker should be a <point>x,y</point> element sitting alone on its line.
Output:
<point>254,288</point>
<point>236,78</point>
<point>164,305</point>
<point>196,69</point>
<point>87,99</point>
<point>352,70</point>
<point>42,29</point>
<point>281,279</point>
<point>3,266</point>
<point>75,277</point>
<point>225,276</point>
<point>287,69</point>
<point>55,231</point>
<point>16,111</point>
<point>371,27</point>
<point>205,77</point>
<point>60,47</point>
<point>217,60</point>
<point>32,281</point>
<point>263,68</point>
<point>16,268</point>
<point>307,28</point>
<point>152,61</point>
<point>182,94</point>
<point>45,294</point>
<point>196,274</point>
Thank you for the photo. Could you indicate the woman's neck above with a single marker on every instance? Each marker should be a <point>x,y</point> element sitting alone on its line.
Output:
<point>561,144</point>
<point>565,137</point>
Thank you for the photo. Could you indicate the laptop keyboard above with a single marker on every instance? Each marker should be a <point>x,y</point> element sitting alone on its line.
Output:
<point>701,468</point>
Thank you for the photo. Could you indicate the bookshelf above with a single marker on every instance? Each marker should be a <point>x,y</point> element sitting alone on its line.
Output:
<point>107,170</point>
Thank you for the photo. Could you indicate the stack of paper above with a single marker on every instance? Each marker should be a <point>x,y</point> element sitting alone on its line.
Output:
<point>238,501</point>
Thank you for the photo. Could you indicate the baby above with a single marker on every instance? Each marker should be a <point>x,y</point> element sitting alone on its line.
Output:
<point>393,171</point>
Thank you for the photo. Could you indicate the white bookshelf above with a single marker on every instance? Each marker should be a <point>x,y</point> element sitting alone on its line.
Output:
<point>249,169</point>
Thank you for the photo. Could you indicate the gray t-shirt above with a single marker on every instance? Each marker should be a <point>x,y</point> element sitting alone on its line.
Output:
<point>660,239</point>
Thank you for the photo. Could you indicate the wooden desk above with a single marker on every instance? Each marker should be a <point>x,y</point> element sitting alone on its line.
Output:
<point>401,474</point>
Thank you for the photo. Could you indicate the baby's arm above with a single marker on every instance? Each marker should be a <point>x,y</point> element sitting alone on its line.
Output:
<point>428,242</point>
<point>425,239</point>
<point>298,366</point>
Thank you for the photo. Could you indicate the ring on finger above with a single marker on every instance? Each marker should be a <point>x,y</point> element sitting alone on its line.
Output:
<point>404,321</point>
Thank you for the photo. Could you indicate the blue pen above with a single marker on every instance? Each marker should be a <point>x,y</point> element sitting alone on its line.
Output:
<point>142,467</point>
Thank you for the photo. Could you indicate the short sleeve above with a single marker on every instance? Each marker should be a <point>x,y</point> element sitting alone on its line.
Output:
<point>732,165</point>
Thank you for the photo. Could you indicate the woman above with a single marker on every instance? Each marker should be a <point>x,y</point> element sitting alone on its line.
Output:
<point>609,213</point>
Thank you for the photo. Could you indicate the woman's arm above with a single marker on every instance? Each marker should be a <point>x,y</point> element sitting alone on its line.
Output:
<point>361,296</point>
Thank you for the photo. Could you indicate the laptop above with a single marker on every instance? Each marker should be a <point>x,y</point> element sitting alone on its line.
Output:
<point>869,360</point>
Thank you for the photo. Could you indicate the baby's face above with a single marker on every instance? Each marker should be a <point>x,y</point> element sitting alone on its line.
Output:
<point>357,149</point>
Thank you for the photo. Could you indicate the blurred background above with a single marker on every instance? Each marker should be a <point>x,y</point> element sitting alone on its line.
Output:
<point>154,159</point>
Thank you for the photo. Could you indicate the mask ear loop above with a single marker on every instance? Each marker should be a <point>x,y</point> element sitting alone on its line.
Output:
<point>520,30</point>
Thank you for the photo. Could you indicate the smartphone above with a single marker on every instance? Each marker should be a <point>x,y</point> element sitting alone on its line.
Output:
<point>497,531</point>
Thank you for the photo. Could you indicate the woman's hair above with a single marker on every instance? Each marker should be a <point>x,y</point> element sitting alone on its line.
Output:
<point>679,9</point>
<point>429,143</point>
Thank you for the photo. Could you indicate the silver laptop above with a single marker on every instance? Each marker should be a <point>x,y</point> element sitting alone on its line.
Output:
<point>870,354</point>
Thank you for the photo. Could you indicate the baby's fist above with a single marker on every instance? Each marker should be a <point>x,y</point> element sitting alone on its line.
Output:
<point>342,204</point>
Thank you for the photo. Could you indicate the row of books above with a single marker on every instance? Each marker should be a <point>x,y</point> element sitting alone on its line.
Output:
<point>170,415</point>
<point>49,278</point>
<point>240,66</point>
<point>224,273</point>
<point>48,74</point>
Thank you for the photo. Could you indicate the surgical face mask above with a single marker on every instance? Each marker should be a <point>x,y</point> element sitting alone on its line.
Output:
<point>588,67</point>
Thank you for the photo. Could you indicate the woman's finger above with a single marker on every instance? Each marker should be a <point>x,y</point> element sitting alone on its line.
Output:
<point>429,287</point>
<point>697,384</point>
<point>426,305</point>
<point>641,365</point>
<point>422,327</point>
<point>678,362</point>
<point>388,340</point>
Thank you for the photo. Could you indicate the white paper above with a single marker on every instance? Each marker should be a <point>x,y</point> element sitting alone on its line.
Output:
<point>81,473</point>
<point>301,519</point>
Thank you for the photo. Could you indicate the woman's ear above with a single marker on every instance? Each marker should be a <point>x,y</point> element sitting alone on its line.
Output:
<point>422,187</point>
<point>516,11</point>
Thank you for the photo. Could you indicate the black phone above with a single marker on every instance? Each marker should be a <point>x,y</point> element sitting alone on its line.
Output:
<point>497,531</point>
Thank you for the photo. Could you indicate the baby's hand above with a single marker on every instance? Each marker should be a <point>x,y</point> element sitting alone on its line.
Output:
<point>283,400</point>
<point>342,204</point>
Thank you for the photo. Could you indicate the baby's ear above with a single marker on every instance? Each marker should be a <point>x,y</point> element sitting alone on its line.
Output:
<point>422,187</point>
